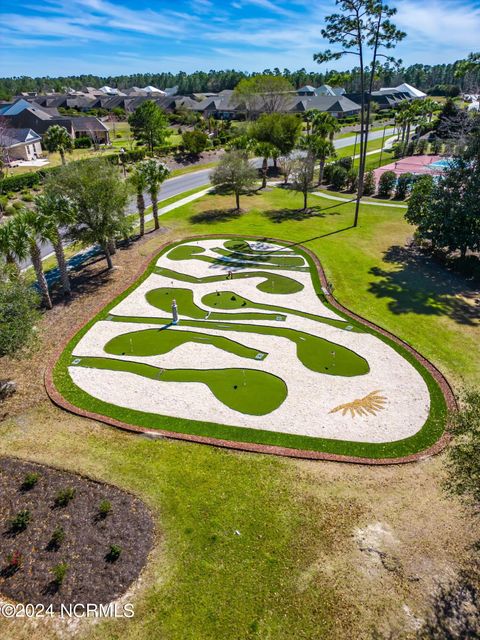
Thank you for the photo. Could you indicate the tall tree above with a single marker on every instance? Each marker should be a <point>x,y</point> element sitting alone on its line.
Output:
<point>149,125</point>
<point>138,179</point>
<point>325,125</point>
<point>100,198</point>
<point>155,173</point>
<point>57,138</point>
<point>263,93</point>
<point>234,174</point>
<point>363,27</point>
<point>18,312</point>
<point>303,177</point>
<point>278,130</point>
<point>56,212</point>
<point>28,230</point>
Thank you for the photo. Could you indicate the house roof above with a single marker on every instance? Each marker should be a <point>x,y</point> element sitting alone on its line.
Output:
<point>13,137</point>
<point>335,104</point>
<point>415,93</point>
<point>306,89</point>
<point>87,123</point>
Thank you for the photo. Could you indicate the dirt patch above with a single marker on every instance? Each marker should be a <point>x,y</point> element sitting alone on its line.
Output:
<point>30,551</point>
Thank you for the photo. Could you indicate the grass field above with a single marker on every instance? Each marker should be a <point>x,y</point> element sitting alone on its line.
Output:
<point>257,547</point>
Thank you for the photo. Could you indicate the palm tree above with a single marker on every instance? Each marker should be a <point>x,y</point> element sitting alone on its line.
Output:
<point>6,242</point>
<point>27,230</point>
<point>155,174</point>
<point>139,181</point>
<point>58,139</point>
<point>56,211</point>
<point>428,107</point>
<point>318,148</point>
<point>325,125</point>
<point>266,150</point>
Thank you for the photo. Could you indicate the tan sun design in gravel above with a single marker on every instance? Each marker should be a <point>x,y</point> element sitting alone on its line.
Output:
<point>372,403</point>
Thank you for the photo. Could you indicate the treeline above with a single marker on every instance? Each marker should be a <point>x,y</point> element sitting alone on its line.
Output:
<point>424,77</point>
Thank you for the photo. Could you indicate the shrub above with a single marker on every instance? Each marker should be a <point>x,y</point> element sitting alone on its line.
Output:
<point>194,142</point>
<point>422,146</point>
<point>386,184</point>
<point>369,185</point>
<point>58,536</point>
<point>104,508</point>
<point>339,177</point>
<point>20,521</point>
<point>27,197</point>
<point>399,149</point>
<point>17,205</point>
<point>15,561</point>
<point>83,143</point>
<point>113,553</point>
<point>3,202</point>
<point>60,571</point>
<point>9,210</point>
<point>346,163</point>
<point>17,183</point>
<point>352,179</point>
<point>437,146</point>
<point>411,147</point>
<point>133,156</point>
<point>403,186</point>
<point>30,481</point>
<point>64,496</point>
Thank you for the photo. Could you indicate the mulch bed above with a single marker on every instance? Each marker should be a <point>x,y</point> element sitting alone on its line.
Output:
<point>91,576</point>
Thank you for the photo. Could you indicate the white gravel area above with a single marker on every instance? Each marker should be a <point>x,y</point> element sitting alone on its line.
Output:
<point>311,396</point>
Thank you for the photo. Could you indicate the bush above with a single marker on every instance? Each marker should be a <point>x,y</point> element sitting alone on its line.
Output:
<point>60,571</point>
<point>422,146</point>
<point>352,180</point>
<point>83,143</point>
<point>133,156</point>
<point>113,553</point>
<point>404,185</point>
<point>399,149</point>
<point>3,202</point>
<point>386,184</point>
<point>411,147</point>
<point>104,508</point>
<point>18,312</point>
<point>27,197</point>
<point>369,185</point>
<point>20,521</point>
<point>17,205</point>
<point>9,210</point>
<point>339,177</point>
<point>30,481</point>
<point>346,163</point>
<point>58,536</point>
<point>17,183</point>
<point>194,142</point>
<point>64,496</point>
<point>437,146</point>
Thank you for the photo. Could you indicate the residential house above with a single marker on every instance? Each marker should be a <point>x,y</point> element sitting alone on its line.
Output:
<point>20,144</point>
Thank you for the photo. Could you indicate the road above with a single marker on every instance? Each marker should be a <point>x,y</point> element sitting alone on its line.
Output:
<point>180,184</point>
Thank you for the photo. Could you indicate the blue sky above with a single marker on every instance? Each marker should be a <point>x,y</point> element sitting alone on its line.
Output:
<point>103,37</point>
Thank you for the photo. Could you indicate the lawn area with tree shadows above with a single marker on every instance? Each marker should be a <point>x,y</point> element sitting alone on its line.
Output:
<point>421,286</point>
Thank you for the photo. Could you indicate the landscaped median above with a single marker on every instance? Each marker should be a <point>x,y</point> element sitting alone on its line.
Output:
<point>263,359</point>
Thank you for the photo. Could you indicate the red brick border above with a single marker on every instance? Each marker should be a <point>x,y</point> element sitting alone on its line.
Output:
<point>448,394</point>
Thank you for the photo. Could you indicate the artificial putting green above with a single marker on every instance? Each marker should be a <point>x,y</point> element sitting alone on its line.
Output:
<point>231,300</point>
<point>153,342</point>
<point>273,282</point>
<point>245,390</point>
<point>268,259</point>
<point>163,297</point>
<point>189,252</point>
<point>315,353</point>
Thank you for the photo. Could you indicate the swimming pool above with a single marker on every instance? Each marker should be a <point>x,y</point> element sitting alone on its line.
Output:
<point>440,164</point>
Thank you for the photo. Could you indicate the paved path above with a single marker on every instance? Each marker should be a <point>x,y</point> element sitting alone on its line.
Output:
<point>322,194</point>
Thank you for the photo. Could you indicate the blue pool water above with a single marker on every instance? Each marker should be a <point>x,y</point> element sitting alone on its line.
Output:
<point>440,164</point>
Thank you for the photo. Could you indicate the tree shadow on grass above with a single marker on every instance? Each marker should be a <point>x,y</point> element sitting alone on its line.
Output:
<point>284,215</point>
<point>419,285</point>
<point>215,215</point>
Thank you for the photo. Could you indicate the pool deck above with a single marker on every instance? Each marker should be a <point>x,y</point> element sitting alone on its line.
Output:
<point>413,164</point>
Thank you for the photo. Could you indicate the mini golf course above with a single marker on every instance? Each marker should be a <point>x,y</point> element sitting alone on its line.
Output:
<point>260,359</point>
